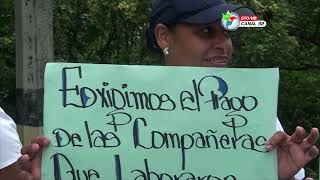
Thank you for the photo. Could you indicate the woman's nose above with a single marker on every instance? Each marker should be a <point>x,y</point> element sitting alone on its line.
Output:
<point>220,42</point>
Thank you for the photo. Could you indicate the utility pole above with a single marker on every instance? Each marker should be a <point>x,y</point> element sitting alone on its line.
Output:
<point>34,48</point>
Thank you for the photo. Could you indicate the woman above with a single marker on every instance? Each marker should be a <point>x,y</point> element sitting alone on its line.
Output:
<point>9,148</point>
<point>189,33</point>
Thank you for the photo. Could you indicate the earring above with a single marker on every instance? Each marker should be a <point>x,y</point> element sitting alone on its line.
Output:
<point>166,51</point>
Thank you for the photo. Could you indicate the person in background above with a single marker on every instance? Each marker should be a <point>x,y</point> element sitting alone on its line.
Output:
<point>189,33</point>
<point>9,148</point>
<point>14,166</point>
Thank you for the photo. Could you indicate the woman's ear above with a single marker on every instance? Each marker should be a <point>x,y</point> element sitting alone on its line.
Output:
<point>162,34</point>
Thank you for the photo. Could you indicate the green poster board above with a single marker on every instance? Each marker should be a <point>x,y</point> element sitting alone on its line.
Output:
<point>119,122</point>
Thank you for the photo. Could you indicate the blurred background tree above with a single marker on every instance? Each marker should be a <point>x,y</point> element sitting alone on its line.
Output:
<point>7,56</point>
<point>112,31</point>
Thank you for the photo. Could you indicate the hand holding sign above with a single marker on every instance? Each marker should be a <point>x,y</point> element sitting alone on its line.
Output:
<point>287,167</point>
<point>294,151</point>
<point>133,127</point>
<point>30,161</point>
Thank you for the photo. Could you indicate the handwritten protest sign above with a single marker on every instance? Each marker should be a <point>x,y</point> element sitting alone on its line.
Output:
<point>117,122</point>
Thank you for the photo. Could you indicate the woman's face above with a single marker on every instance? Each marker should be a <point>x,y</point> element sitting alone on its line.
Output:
<point>199,45</point>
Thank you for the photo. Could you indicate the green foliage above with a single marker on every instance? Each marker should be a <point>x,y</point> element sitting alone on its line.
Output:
<point>101,31</point>
<point>7,54</point>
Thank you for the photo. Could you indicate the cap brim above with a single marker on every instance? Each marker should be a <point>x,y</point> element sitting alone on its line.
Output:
<point>214,13</point>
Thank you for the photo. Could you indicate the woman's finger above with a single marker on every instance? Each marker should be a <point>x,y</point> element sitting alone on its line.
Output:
<point>298,135</point>
<point>41,141</point>
<point>25,163</point>
<point>30,149</point>
<point>25,175</point>
<point>311,153</point>
<point>36,165</point>
<point>310,140</point>
<point>277,139</point>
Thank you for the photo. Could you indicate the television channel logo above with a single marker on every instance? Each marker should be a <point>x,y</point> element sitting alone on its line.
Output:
<point>231,21</point>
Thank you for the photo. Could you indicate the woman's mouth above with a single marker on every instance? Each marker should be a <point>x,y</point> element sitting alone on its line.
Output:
<point>216,61</point>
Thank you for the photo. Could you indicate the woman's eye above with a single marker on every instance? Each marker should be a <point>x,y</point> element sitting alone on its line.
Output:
<point>205,30</point>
